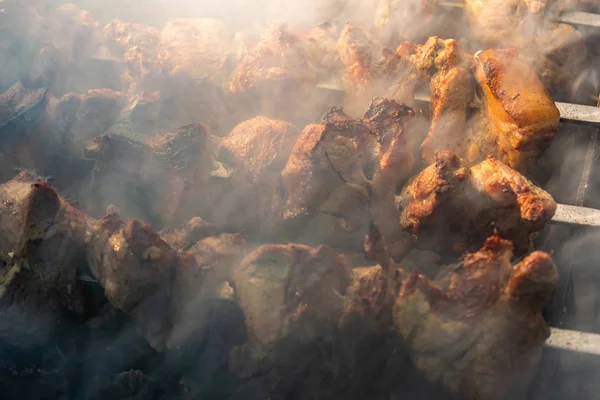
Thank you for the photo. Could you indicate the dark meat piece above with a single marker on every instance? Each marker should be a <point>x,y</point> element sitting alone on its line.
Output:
<point>136,268</point>
<point>450,208</point>
<point>337,165</point>
<point>47,135</point>
<point>482,335</point>
<point>202,291</point>
<point>149,179</point>
<point>276,71</point>
<point>42,241</point>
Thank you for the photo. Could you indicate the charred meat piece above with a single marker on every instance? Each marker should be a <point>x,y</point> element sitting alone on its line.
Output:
<point>481,333</point>
<point>341,163</point>
<point>450,208</point>
<point>557,51</point>
<point>136,268</point>
<point>42,243</point>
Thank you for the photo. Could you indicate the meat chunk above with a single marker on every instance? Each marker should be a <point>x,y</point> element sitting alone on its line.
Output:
<point>450,208</point>
<point>519,112</point>
<point>42,242</point>
<point>557,51</point>
<point>518,119</point>
<point>336,166</point>
<point>373,70</point>
<point>481,333</point>
<point>166,64</point>
<point>449,69</point>
<point>270,75</point>
<point>149,179</point>
<point>136,268</point>
<point>257,151</point>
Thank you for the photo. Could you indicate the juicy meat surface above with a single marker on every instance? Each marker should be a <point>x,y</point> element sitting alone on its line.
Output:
<point>136,268</point>
<point>557,51</point>
<point>519,112</point>
<point>337,165</point>
<point>481,332</point>
<point>450,208</point>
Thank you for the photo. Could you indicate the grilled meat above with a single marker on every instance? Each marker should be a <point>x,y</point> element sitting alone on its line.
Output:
<point>449,69</point>
<point>341,163</point>
<point>42,242</point>
<point>557,51</point>
<point>149,179</point>
<point>165,64</point>
<point>480,333</point>
<point>257,151</point>
<point>450,208</point>
<point>519,113</point>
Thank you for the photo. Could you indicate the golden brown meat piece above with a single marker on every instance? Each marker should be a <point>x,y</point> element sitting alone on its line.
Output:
<point>450,208</point>
<point>517,121</point>
<point>337,165</point>
<point>448,68</point>
<point>481,332</point>
<point>557,51</point>
<point>519,112</point>
<point>136,268</point>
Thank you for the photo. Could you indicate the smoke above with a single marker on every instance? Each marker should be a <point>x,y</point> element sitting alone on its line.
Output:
<point>175,74</point>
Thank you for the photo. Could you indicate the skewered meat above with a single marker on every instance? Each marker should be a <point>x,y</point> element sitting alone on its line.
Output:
<point>337,165</point>
<point>519,111</point>
<point>373,70</point>
<point>166,65</point>
<point>42,241</point>
<point>276,71</point>
<point>450,208</point>
<point>557,51</point>
<point>148,179</point>
<point>449,68</point>
<point>315,327</point>
<point>518,119</point>
<point>480,333</point>
<point>257,150</point>
<point>136,268</point>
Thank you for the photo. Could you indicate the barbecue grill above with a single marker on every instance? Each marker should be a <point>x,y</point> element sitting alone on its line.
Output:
<point>572,353</point>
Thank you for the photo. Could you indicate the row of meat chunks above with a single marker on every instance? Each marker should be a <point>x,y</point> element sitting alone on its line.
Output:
<point>477,329</point>
<point>331,184</point>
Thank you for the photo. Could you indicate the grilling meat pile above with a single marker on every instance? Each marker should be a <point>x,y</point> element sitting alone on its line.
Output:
<point>219,224</point>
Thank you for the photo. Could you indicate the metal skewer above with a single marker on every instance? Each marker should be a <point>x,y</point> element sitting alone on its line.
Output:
<point>569,113</point>
<point>567,17</point>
